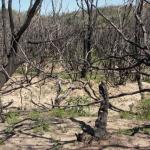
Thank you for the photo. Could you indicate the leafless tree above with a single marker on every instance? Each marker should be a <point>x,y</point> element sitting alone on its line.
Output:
<point>13,61</point>
<point>89,16</point>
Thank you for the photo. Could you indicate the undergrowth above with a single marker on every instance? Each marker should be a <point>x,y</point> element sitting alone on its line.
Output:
<point>12,117</point>
<point>133,131</point>
<point>79,110</point>
<point>142,111</point>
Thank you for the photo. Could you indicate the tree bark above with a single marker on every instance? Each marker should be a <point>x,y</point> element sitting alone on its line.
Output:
<point>87,42</point>
<point>7,69</point>
<point>1,111</point>
<point>101,122</point>
<point>86,52</point>
<point>99,131</point>
<point>139,38</point>
<point>13,61</point>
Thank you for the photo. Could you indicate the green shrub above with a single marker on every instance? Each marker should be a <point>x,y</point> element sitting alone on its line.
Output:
<point>142,113</point>
<point>41,122</point>
<point>144,109</point>
<point>95,76</point>
<point>1,141</point>
<point>34,115</point>
<point>133,131</point>
<point>40,127</point>
<point>125,132</point>
<point>64,75</point>
<point>31,71</point>
<point>58,112</point>
<point>12,117</point>
<point>8,130</point>
<point>71,111</point>
<point>146,130</point>
<point>77,101</point>
<point>147,80</point>
<point>63,113</point>
<point>127,115</point>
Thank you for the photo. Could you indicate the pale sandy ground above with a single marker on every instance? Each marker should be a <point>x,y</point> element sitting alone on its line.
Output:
<point>65,131</point>
<point>23,141</point>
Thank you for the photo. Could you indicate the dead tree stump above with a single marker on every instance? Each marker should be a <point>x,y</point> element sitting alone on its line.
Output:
<point>99,131</point>
<point>101,121</point>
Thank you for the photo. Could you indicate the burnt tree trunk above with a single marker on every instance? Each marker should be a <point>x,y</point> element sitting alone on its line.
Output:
<point>91,18</point>
<point>86,51</point>
<point>2,119</point>
<point>13,61</point>
<point>101,121</point>
<point>99,131</point>
<point>139,38</point>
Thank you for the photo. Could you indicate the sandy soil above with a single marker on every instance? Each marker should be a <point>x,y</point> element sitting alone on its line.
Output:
<point>62,132</point>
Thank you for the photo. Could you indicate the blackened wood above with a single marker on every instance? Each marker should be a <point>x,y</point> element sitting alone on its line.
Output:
<point>101,121</point>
